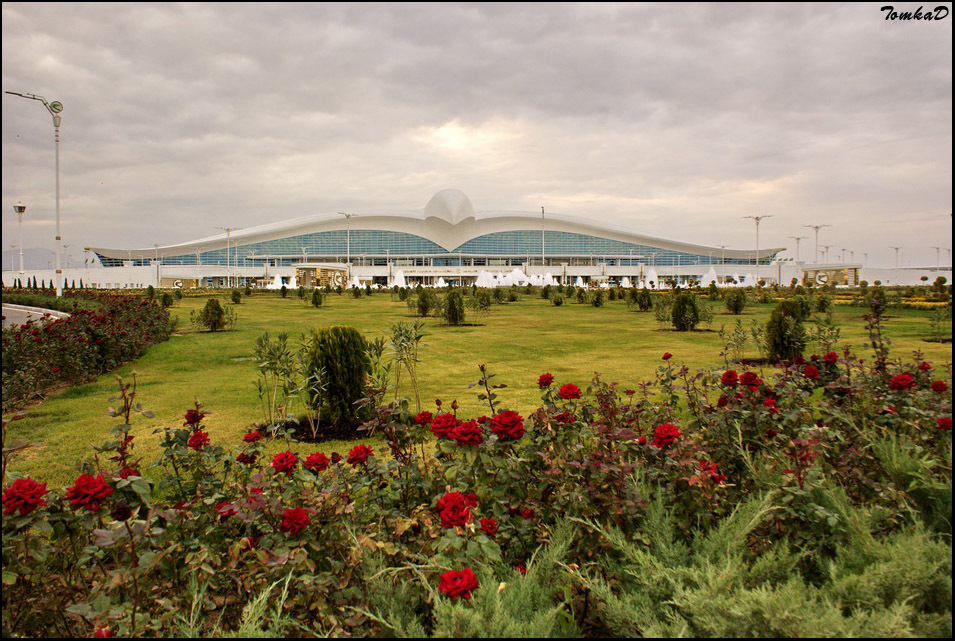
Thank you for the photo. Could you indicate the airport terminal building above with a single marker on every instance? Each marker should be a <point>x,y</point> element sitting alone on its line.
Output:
<point>447,241</point>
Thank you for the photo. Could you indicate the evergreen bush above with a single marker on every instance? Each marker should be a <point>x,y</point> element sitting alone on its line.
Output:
<point>338,355</point>
<point>735,301</point>
<point>454,308</point>
<point>785,333</point>
<point>685,313</point>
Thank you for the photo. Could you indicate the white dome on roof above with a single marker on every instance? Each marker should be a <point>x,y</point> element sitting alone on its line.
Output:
<point>449,205</point>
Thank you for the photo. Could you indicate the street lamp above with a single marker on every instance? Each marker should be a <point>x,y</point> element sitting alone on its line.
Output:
<point>228,269</point>
<point>543,262</point>
<point>938,257</point>
<point>797,239</point>
<point>757,219</point>
<point>54,108</point>
<point>816,228</point>
<point>348,218</point>
<point>896,255</point>
<point>827,248</point>
<point>20,208</point>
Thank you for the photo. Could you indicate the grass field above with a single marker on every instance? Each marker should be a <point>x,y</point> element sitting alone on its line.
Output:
<point>518,341</point>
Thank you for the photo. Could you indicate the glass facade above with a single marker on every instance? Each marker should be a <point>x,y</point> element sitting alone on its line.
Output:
<point>375,247</point>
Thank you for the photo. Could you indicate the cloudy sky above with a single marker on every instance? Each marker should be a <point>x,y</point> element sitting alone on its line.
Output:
<point>674,120</point>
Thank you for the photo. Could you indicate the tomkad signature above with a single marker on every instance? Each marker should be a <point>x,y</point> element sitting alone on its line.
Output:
<point>938,13</point>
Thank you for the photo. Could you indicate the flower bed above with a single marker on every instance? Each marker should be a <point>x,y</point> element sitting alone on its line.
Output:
<point>102,332</point>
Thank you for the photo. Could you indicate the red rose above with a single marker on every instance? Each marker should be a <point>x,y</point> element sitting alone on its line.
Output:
<point>23,495</point>
<point>359,454</point>
<point>442,424</point>
<point>193,417</point>
<point>294,520</point>
<point>723,401</point>
<point>459,585</point>
<point>246,459</point>
<point>284,462</point>
<point>520,567</point>
<point>770,404</point>
<point>730,378</point>
<point>336,458</point>
<point>569,391</point>
<point>103,633</point>
<point>924,366</point>
<point>545,380</point>
<point>455,509</point>
<point>811,372</point>
<point>944,423</point>
<point>508,425</point>
<point>565,417</point>
<point>317,462</point>
<point>902,382</point>
<point>939,387</point>
<point>664,435</point>
<point>423,418</point>
<point>198,440</point>
<point>832,358</point>
<point>667,356</point>
<point>225,510</point>
<point>489,526</point>
<point>466,433</point>
<point>252,437</point>
<point>642,440</point>
<point>750,380</point>
<point>88,492</point>
<point>127,472</point>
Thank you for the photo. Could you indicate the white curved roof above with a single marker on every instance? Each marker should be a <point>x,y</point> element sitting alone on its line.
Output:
<point>449,220</point>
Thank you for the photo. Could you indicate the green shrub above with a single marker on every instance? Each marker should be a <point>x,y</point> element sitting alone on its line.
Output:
<point>735,301</point>
<point>236,297</point>
<point>454,308</point>
<point>785,333</point>
<point>213,316</point>
<point>557,300</point>
<point>425,302</point>
<point>685,313</point>
<point>338,355</point>
<point>316,297</point>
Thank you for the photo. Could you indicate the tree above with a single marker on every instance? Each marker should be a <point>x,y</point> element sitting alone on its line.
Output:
<point>685,313</point>
<point>785,334</point>
<point>213,316</point>
<point>454,308</point>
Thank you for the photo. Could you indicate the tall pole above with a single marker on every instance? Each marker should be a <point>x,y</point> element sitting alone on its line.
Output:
<point>543,262</point>
<point>816,228</point>
<point>938,257</point>
<point>20,208</point>
<point>797,239</point>
<point>827,248</point>
<point>348,218</point>
<point>228,266</point>
<point>757,219</point>
<point>54,108</point>
<point>896,255</point>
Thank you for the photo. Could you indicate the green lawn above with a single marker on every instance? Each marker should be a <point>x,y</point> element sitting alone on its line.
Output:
<point>518,341</point>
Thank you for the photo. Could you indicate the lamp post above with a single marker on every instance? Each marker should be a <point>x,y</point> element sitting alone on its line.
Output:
<point>542,238</point>
<point>757,219</point>
<point>20,208</point>
<point>797,239</point>
<point>896,255</point>
<point>228,269</point>
<point>826,248</point>
<point>938,257</point>
<point>348,218</point>
<point>816,228</point>
<point>54,108</point>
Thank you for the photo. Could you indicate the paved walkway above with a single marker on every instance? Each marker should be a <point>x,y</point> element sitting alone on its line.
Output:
<point>20,314</point>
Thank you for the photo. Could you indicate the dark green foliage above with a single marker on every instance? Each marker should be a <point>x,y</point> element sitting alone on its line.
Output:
<point>685,313</point>
<point>356,292</point>
<point>642,299</point>
<point>338,355</point>
<point>248,291</point>
<point>283,292</point>
<point>598,299</point>
<point>545,292</point>
<point>713,292</point>
<point>166,300</point>
<point>301,292</point>
<point>213,316</point>
<point>735,301</point>
<point>454,308</point>
<point>150,292</point>
<point>557,300</point>
<point>785,334</point>
<point>425,302</point>
<point>581,295</point>
<point>236,297</point>
<point>316,297</point>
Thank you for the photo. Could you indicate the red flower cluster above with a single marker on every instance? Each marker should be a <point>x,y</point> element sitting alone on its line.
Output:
<point>423,418</point>
<point>442,424</point>
<point>730,378</point>
<point>811,372</point>
<point>246,459</point>
<point>359,454</point>
<point>939,387</point>
<point>24,495</point>
<point>667,356</point>
<point>568,391</point>
<point>459,585</point>
<point>944,423</point>
<point>88,492</point>
<point>832,358</point>
<point>317,462</point>
<point>455,509</point>
<point>751,381</point>
<point>924,366</point>
<point>252,437</point>
<point>466,433</point>
<point>902,382</point>
<point>489,526</point>
<point>294,520</point>
<point>545,380</point>
<point>284,462</point>
<point>194,417</point>
<point>508,425</point>
<point>198,440</point>
<point>770,405</point>
<point>664,435</point>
